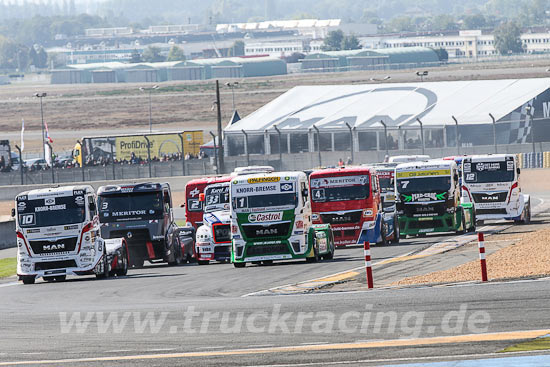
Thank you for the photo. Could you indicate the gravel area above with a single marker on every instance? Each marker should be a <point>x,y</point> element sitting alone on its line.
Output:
<point>527,255</point>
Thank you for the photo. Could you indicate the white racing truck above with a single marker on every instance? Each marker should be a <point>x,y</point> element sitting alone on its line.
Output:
<point>58,235</point>
<point>491,183</point>
<point>213,239</point>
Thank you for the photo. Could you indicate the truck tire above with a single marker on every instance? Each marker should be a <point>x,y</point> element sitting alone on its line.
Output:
<point>396,235</point>
<point>383,233</point>
<point>527,218</point>
<point>124,270</point>
<point>462,229</point>
<point>203,262</point>
<point>28,279</point>
<point>239,265</point>
<point>102,268</point>
<point>330,255</point>
<point>315,257</point>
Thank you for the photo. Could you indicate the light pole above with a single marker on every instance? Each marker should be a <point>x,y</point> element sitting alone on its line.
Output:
<point>457,140</point>
<point>150,90</point>
<point>385,137</point>
<point>421,134</point>
<point>318,143</point>
<point>232,85</point>
<point>494,131</point>
<point>529,109</point>
<point>280,151</point>
<point>350,141</point>
<point>422,74</point>
<point>40,96</point>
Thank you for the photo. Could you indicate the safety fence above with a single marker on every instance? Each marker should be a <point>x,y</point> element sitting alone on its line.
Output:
<point>534,160</point>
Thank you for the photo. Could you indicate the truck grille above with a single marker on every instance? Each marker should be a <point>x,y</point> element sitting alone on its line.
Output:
<point>257,250</point>
<point>496,197</point>
<point>47,247</point>
<point>253,231</point>
<point>140,235</point>
<point>349,217</point>
<point>222,233</point>
<point>222,251</point>
<point>424,224</point>
<point>49,265</point>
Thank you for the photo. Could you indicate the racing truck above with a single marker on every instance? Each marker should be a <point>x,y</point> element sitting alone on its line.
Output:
<point>58,235</point>
<point>213,238</point>
<point>386,177</point>
<point>491,183</point>
<point>428,199</point>
<point>348,199</point>
<point>142,214</point>
<point>271,220</point>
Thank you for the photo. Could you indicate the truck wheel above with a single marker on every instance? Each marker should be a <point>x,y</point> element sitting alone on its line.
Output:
<point>383,239</point>
<point>395,233</point>
<point>267,262</point>
<point>49,279</point>
<point>102,269</point>
<point>203,262</point>
<point>315,257</point>
<point>239,265</point>
<point>330,255</point>
<point>28,279</point>
<point>527,218</point>
<point>463,223</point>
<point>124,270</point>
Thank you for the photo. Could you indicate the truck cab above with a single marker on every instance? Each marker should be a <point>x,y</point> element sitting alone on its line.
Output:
<point>348,199</point>
<point>194,207</point>
<point>492,184</point>
<point>142,214</point>
<point>271,220</point>
<point>428,199</point>
<point>213,238</point>
<point>58,234</point>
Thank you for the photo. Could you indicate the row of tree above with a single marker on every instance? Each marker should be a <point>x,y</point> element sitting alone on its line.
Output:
<point>15,56</point>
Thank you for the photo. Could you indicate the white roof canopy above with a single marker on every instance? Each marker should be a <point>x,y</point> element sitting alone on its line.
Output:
<point>330,107</point>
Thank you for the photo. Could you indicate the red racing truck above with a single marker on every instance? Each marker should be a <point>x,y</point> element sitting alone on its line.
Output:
<point>348,199</point>
<point>193,206</point>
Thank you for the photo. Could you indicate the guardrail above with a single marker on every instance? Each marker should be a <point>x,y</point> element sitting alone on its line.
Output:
<point>534,160</point>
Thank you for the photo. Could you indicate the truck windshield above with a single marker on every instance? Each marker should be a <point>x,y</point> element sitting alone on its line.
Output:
<point>423,184</point>
<point>266,201</point>
<point>130,206</point>
<point>342,193</point>
<point>486,172</point>
<point>215,198</point>
<point>385,184</point>
<point>53,211</point>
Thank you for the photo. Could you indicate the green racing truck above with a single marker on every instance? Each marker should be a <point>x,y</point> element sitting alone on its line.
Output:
<point>271,220</point>
<point>428,199</point>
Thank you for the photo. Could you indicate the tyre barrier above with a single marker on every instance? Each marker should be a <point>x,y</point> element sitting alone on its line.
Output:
<point>534,160</point>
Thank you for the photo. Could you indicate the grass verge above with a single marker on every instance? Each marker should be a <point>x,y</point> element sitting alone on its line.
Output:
<point>8,267</point>
<point>528,346</point>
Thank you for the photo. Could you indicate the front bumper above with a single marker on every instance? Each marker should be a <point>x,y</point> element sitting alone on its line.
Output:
<point>432,224</point>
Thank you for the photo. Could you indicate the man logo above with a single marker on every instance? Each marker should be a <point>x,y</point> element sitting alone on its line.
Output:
<point>54,247</point>
<point>266,231</point>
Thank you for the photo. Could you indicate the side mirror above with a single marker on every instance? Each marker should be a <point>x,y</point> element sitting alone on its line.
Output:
<point>92,206</point>
<point>13,212</point>
<point>182,205</point>
<point>392,182</point>
<point>456,177</point>
<point>518,170</point>
<point>305,193</point>
<point>201,197</point>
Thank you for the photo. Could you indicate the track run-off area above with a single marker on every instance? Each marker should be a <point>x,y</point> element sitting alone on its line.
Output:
<point>260,315</point>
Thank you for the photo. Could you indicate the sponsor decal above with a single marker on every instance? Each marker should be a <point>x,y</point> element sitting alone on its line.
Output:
<point>428,196</point>
<point>509,165</point>
<point>128,213</point>
<point>435,172</point>
<point>287,187</point>
<point>194,192</point>
<point>256,180</point>
<point>315,216</point>
<point>265,217</point>
<point>493,166</point>
<point>50,208</point>
<point>79,200</point>
<point>49,201</point>
<point>21,206</point>
<point>256,189</point>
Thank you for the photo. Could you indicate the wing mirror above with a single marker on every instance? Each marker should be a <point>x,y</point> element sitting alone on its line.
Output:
<point>456,177</point>
<point>13,212</point>
<point>518,170</point>
<point>305,193</point>
<point>92,206</point>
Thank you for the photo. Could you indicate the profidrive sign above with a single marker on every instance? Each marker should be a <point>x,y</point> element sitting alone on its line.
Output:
<point>265,217</point>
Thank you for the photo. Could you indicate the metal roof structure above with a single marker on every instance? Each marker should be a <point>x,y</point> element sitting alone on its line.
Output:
<point>398,105</point>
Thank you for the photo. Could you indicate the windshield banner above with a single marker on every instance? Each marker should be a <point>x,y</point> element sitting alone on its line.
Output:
<point>435,172</point>
<point>339,181</point>
<point>264,188</point>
